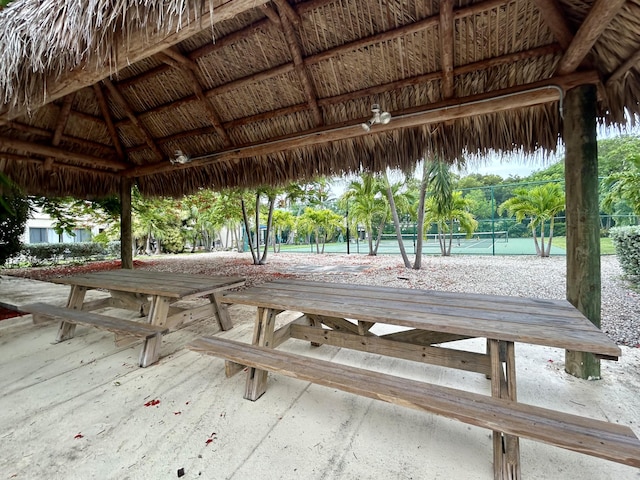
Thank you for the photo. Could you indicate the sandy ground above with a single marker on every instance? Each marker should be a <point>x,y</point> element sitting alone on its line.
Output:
<point>77,410</point>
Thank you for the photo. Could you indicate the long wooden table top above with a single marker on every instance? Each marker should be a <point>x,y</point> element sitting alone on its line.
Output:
<point>554,323</point>
<point>169,284</point>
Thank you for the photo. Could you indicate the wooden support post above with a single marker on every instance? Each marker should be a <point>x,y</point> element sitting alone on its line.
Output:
<point>76,299</point>
<point>262,336</point>
<point>583,223</point>
<point>221,311</point>
<point>126,236</point>
<point>506,448</point>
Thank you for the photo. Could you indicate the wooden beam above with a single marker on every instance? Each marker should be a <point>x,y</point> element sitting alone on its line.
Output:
<point>179,62</point>
<point>21,127</point>
<point>298,61</point>
<point>620,72</point>
<point>174,53</point>
<point>501,100</point>
<point>56,165</point>
<point>287,10</point>
<point>117,96</point>
<point>63,117</point>
<point>446,47</point>
<point>126,229</point>
<point>108,120</point>
<point>592,27</point>
<point>270,14</point>
<point>140,44</point>
<point>212,114</point>
<point>552,15</point>
<point>60,154</point>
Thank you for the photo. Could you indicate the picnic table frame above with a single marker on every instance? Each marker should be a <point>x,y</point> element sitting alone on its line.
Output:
<point>343,316</point>
<point>152,294</point>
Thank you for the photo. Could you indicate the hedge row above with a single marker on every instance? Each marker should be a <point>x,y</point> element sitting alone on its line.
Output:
<point>45,253</point>
<point>626,241</point>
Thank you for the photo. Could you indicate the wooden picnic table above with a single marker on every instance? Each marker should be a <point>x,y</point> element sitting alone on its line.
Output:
<point>153,294</point>
<point>344,315</point>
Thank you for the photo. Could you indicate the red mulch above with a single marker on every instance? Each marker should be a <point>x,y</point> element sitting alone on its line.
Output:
<point>5,313</point>
<point>45,273</point>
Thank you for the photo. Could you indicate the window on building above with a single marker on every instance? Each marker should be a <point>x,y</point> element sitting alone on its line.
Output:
<point>82,235</point>
<point>37,235</point>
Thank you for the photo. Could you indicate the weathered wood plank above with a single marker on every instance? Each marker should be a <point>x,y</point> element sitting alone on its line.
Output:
<point>577,334</point>
<point>169,284</point>
<point>443,357</point>
<point>120,325</point>
<point>592,437</point>
<point>423,337</point>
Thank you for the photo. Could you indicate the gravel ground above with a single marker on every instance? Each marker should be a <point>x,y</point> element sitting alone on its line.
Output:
<point>501,275</point>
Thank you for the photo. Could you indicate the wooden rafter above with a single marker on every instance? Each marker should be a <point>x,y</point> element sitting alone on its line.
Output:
<point>139,45</point>
<point>57,165</point>
<point>596,22</point>
<point>631,62</point>
<point>447,46</point>
<point>553,16</point>
<point>190,73</point>
<point>271,14</point>
<point>61,123</point>
<point>117,96</point>
<point>287,10</point>
<point>60,154</point>
<point>21,127</point>
<point>521,96</point>
<point>298,61</point>
<point>323,102</point>
<point>106,114</point>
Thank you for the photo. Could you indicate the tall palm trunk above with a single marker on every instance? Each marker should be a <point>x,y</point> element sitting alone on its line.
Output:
<point>272,203</point>
<point>420,227</point>
<point>245,218</point>
<point>535,240</point>
<point>550,237</point>
<point>396,222</point>
<point>370,239</point>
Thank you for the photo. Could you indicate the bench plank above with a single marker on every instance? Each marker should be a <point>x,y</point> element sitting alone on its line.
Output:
<point>68,318</point>
<point>46,312</point>
<point>592,437</point>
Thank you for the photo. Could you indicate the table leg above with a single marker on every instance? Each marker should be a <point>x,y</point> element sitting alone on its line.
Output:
<point>506,448</point>
<point>158,310</point>
<point>76,299</point>
<point>221,311</point>
<point>262,336</point>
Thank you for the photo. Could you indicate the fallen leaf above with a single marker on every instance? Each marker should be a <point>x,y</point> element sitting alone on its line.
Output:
<point>79,436</point>
<point>152,403</point>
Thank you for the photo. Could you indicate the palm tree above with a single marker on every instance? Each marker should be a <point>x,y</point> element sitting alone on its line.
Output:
<point>456,213</point>
<point>397,202</point>
<point>624,184</point>
<point>539,204</point>
<point>367,206</point>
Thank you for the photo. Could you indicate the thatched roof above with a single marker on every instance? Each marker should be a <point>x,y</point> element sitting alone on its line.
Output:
<point>265,92</point>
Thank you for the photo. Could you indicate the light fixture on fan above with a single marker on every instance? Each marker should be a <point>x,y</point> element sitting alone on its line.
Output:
<point>180,158</point>
<point>378,117</point>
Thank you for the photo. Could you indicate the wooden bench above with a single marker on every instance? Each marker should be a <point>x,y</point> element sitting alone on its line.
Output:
<point>130,330</point>
<point>592,437</point>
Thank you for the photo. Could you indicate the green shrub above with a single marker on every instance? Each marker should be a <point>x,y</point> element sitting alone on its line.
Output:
<point>626,241</point>
<point>43,253</point>
<point>14,212</point>
<point>173,241</point>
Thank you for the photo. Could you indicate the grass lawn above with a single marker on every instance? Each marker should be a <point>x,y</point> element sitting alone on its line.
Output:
<point>606,246</point>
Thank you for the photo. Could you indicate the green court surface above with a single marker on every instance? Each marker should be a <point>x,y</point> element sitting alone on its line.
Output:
<point>511,246</point>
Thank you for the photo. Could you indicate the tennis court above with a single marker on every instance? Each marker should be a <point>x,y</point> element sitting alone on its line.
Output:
<point>478,244</point>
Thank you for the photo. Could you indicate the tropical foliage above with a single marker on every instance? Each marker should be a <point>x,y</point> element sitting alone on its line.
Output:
<point>539,205</point>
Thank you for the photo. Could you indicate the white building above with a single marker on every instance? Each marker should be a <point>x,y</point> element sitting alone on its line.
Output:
<point>39,229</point>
